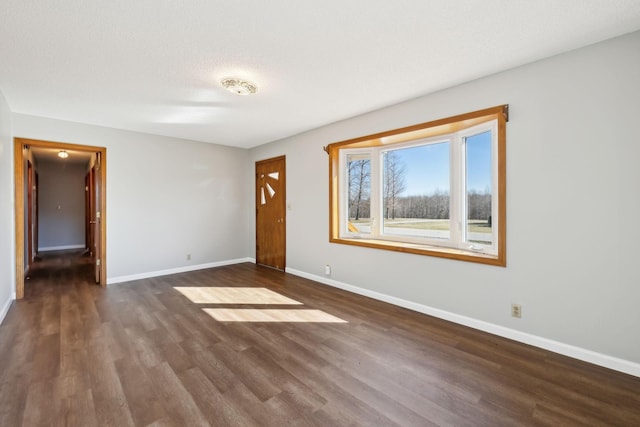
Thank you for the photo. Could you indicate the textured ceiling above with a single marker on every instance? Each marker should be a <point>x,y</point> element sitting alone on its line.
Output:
<point>154,65</point>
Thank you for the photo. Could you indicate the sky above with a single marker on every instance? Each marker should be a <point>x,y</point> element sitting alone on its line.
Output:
<point>427,166</point>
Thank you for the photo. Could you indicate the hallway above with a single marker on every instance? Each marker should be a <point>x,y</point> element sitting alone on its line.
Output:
<point>56,271</point>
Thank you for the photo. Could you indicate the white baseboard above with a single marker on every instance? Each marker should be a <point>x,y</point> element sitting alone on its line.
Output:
<point>6,307</point>
<point>579,353</point>
<point>60,248</point>
<point>121,279</point>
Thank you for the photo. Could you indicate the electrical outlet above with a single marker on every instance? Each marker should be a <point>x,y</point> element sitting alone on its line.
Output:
<point>327,270</point>
<point>188,257</point>
<point>516,310</point>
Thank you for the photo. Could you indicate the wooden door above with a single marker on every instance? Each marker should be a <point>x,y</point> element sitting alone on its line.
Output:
<point>87,214</point>
<point>36,209</point>
<point>30,187</point>
<point>97,217</point>
<point>271,213</point>
<point>91,213</point>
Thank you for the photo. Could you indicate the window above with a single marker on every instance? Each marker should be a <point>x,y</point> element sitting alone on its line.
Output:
<point>437,188</point>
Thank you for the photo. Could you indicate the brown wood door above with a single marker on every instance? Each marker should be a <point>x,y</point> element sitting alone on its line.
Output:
<point>91,213</point>
<point>271,208</point>
<point>30,188</point>
<point>87,214</point>
<point>96,217</point>
<point>36,209</point>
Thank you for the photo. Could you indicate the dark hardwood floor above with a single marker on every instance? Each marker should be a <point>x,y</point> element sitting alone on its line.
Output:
<point>142,354</point>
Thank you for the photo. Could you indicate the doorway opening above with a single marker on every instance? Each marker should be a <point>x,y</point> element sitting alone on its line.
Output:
<point>26,207</point>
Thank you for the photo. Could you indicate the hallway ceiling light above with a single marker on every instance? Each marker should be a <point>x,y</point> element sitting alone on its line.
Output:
<point>239,86</point>
<point>63,154</point>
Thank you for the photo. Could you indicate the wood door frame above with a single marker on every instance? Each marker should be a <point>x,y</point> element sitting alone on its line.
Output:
<point>19,184</point>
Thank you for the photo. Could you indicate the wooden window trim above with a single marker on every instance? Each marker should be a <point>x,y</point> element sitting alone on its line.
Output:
<point>415,132</point>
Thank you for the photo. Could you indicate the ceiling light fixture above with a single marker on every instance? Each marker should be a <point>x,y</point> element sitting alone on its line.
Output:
<point>239,86</point>
<point>63,154</point>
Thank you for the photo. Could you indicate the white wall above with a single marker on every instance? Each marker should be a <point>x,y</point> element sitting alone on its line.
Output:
<point>573,205</point>
<point>61,204</point>
<point>7,269</point>
<point>166,197</point>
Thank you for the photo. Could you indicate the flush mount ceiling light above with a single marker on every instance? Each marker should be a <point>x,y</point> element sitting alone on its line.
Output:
<point>63,154</point>
<point>238,86</point>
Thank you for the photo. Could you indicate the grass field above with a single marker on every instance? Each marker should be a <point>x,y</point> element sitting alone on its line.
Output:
<point>475,226</point>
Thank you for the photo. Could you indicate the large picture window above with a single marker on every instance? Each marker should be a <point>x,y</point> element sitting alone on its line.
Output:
<point>437,188</point>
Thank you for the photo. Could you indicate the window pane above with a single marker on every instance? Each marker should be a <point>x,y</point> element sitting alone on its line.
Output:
<point>416,191</point>
<point>479,189</point>
<point>359,171</point>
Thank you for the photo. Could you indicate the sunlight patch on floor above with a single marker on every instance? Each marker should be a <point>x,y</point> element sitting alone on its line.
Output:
<point>213,295</point>
<point>271,315</point>
<point>252,296</point>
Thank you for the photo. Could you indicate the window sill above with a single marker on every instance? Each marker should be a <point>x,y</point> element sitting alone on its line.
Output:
<point>436,251</point>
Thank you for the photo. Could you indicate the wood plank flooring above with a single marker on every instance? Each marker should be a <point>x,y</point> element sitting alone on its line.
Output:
<point>143,354</point>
